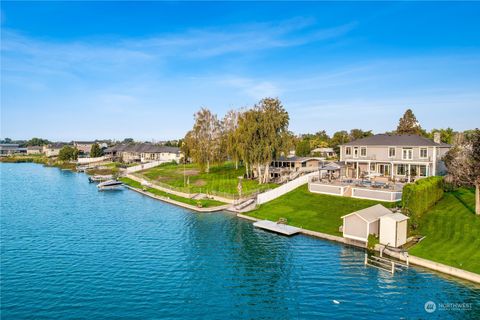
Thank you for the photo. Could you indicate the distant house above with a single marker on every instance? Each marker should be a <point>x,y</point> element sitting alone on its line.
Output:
<point>143,152</point>
<point>379,221</point>
<point>85,146</point>
<point>34,150</point>
<point>324,152</point>
<point>401,157</point>
<point>289,167</point>
<point>52,150</point>
<point>7,149</point>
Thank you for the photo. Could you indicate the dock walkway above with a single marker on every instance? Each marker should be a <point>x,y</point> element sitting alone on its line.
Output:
<point>277,227</point>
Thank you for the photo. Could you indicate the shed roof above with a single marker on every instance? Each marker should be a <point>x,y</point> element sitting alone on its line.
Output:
<point>395,216</point>
<point>408,140</point>
<point>371,214</point>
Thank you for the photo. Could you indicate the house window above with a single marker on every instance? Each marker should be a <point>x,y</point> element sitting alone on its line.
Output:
<point>401,169</point>
<point>423,171</point>
<point>363,151</point>
<point>423,153</point>
<point>355,152</point>
<point>391,152</point>
<point>372,166</point>
<point>348,151</point>
<point>407,154</point>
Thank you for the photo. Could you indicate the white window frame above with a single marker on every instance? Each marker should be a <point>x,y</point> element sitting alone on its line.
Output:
<point>348,153</point>
<point>394,152</point>
<point>420,153</point>
<point>363,148</point>
<point>405,169</point>
<point>355,152</point>
<point>411,153</point>
<point>420,170</point>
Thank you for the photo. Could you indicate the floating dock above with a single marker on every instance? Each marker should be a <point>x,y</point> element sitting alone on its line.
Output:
<point>277,227</point>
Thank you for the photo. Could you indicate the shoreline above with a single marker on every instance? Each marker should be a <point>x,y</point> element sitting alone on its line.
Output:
<point>417,261</point>
<point>178,203</point>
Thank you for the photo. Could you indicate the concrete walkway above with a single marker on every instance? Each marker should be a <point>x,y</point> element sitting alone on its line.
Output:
<point>180,204</point>
<point>179,193</point>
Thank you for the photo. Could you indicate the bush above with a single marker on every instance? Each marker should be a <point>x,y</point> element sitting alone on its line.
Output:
<point>420,196</point>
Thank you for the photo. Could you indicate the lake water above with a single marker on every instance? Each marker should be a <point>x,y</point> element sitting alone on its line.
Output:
<point>69,251</point>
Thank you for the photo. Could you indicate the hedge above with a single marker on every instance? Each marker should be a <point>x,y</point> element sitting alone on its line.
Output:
<point>420,196</point>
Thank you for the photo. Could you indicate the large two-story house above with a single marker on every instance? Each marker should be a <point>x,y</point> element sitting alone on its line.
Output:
<point>399,157</point>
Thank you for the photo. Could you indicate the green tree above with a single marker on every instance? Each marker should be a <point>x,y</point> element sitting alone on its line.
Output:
<point>36,142</point>
<point>356,134</point>
<point>264,135</point>
<point>446,135</point>
<point>408,124</point>
<point>128,140</point>
<point>205,139</point>
<point>230,135</point>
<point>463,165</point>
<point>302,148</point>
<point>339,138</point>
<point>68,153</point>
<point>95,151</point>
<point>319,140</point>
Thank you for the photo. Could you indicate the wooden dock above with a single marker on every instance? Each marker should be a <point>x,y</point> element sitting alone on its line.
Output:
<point>277,227</point>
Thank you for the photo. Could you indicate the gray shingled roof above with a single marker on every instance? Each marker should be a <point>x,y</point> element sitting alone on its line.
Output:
<point>142,147</point>
<point>409,140</point>
<point>371,214</point>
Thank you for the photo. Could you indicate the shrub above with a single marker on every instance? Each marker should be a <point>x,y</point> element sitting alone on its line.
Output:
<point>420,196</point>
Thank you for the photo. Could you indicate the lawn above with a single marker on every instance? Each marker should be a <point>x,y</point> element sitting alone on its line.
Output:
<point>206,203</point>
<point>221,180</point>
<point>317,212</point>
<point>452,232</point>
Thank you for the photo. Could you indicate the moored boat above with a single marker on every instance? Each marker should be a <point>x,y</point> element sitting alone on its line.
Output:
<point>109,185</point>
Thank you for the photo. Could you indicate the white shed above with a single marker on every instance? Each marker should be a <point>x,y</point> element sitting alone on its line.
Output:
<point>393,229</point>
<point>359,224</point>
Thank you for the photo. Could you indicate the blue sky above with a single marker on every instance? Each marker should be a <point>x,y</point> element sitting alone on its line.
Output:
<point>87,70</point>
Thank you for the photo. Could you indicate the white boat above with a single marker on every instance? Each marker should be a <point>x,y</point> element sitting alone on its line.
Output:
<point>109,185</point>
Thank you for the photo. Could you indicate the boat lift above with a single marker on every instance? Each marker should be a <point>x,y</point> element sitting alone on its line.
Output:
<point>385,264</point>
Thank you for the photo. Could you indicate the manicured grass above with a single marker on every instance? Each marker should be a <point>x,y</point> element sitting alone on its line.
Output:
<point>206,203</point>
<point>467,197</point>
<point>452,232</point>
<point>312,211</point>
<point>221,180</point>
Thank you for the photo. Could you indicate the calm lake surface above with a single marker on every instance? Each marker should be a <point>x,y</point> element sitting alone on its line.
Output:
<point>69,251</point>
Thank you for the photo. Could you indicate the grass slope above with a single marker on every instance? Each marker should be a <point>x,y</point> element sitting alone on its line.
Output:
<point>452,232</point>
<point>206,203</point>
<point>221,179</point>
<point>317,212</point>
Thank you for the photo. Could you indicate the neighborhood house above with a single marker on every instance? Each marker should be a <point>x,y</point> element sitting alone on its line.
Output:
<point>85,146</point>
<point>143,152</point>
<point>52,150</point>
<point>11,148</point>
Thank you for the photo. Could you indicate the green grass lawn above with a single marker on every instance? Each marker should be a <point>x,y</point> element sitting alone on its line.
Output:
<point>206,203</point>
<point>452,232</point>
<point>312,211</point>
<point>221,180</point>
